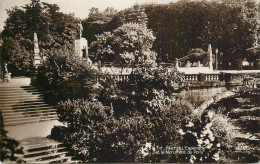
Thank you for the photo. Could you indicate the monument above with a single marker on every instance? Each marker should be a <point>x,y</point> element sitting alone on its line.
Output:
<point>81,44</point>
<point>36,51</point>
<point>209,57</point>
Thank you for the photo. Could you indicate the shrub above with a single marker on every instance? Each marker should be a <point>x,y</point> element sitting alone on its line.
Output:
<point>9,147</point>
<point>87,123</point>
<point>147,88</point>
<point>65,76</point>
<point>198,134</point>
<point>224,130</point>
<point>145,112</point>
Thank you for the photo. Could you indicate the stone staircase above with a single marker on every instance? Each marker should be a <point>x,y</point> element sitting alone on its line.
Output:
<point>44,150</point>
<point>29,120</point>
<point>23,105</point>
<point>247,117</point>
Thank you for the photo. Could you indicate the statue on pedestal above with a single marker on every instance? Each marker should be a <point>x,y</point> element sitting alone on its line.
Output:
<point>80,29</point>
<point>37,58</point>
<point>81,44</point>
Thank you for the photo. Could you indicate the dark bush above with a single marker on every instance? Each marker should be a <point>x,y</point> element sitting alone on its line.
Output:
<point>9,147</point>
<point>65,76</point>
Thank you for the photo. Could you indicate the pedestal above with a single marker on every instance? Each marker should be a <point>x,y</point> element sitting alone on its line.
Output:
<point>33,78</point>
<point>81,45</point>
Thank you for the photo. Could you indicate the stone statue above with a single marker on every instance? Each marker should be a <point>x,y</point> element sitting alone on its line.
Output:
<point>6,70</point>
<point>36,45</point>
<point>80,29</point>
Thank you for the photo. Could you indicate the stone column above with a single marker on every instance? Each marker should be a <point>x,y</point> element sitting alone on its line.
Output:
<point>209,57</point>
<point>37,58</point>
<point>188,64</point>
<point>177,64</point>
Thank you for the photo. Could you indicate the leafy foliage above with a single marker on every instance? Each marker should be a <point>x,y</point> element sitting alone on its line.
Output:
<point>53,28</point>
<point>128,44</point>
<point>9,147</point>
<point>231,26</point>
<point>224,130</point>
<point>63,75</point>
<point>147,88</point>
<point>18,56</point>
<point>198,133</point>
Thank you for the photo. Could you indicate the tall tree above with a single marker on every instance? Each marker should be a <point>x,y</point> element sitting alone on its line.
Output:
<point>53,28</point>
<point>130,43</point>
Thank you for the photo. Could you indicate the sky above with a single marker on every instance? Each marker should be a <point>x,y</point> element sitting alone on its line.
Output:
<point>79,7</point>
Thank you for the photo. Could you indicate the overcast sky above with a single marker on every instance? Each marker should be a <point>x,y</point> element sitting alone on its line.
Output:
<point>79,7</point>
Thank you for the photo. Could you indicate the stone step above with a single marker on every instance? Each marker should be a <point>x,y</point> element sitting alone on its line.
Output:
<point>17,89</point>
<point>248,106</point>
<point>18,92</point>
<point>27,110</point>
<point>24,98</point>
<point>13,92</point>
<point>44,152</point>
<point>42,106</point>
<point>15,102</point>
<point>46,157</point>
<point>236,113</point>
<point>20,95</point>
<point>245,156</point>
<point>26,104</point>
<point>6,120</point>
<point>75,161</point>
<point>251,118</point>
<point>10,112</point>
<point>244,100</point>
<point>58,160</point>
<point>51,144</point>
<point>20,122</point>
<point>3,93</point>
<point>26,115</point>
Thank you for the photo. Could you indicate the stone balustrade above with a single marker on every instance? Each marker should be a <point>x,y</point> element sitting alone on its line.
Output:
<point>187,77</point>
<point>212,77</point>
<point>194,77</point>
<point>116,77</point>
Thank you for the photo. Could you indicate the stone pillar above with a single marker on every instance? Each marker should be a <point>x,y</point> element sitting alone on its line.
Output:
<point>188,64</point>
<point>209,57</point>
<point>177,64</point>
<point>81,47</point>
<point>202,77</point>
<point>36,51</point>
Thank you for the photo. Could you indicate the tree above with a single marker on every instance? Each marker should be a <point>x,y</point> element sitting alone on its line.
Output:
<point>128,44</point>
<point>53,29</point>
<point>18,56</point>
<point>97,22</point>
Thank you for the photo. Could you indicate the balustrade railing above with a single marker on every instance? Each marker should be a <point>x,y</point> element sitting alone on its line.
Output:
<point>187,77</point>
<point>212,77</point>
<point>116,77</point>
<point>191,77</point>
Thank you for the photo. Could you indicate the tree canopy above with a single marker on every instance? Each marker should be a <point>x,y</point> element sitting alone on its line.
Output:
<point>130,43</point>
<point>231,26</point>
<point>53,29</point>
